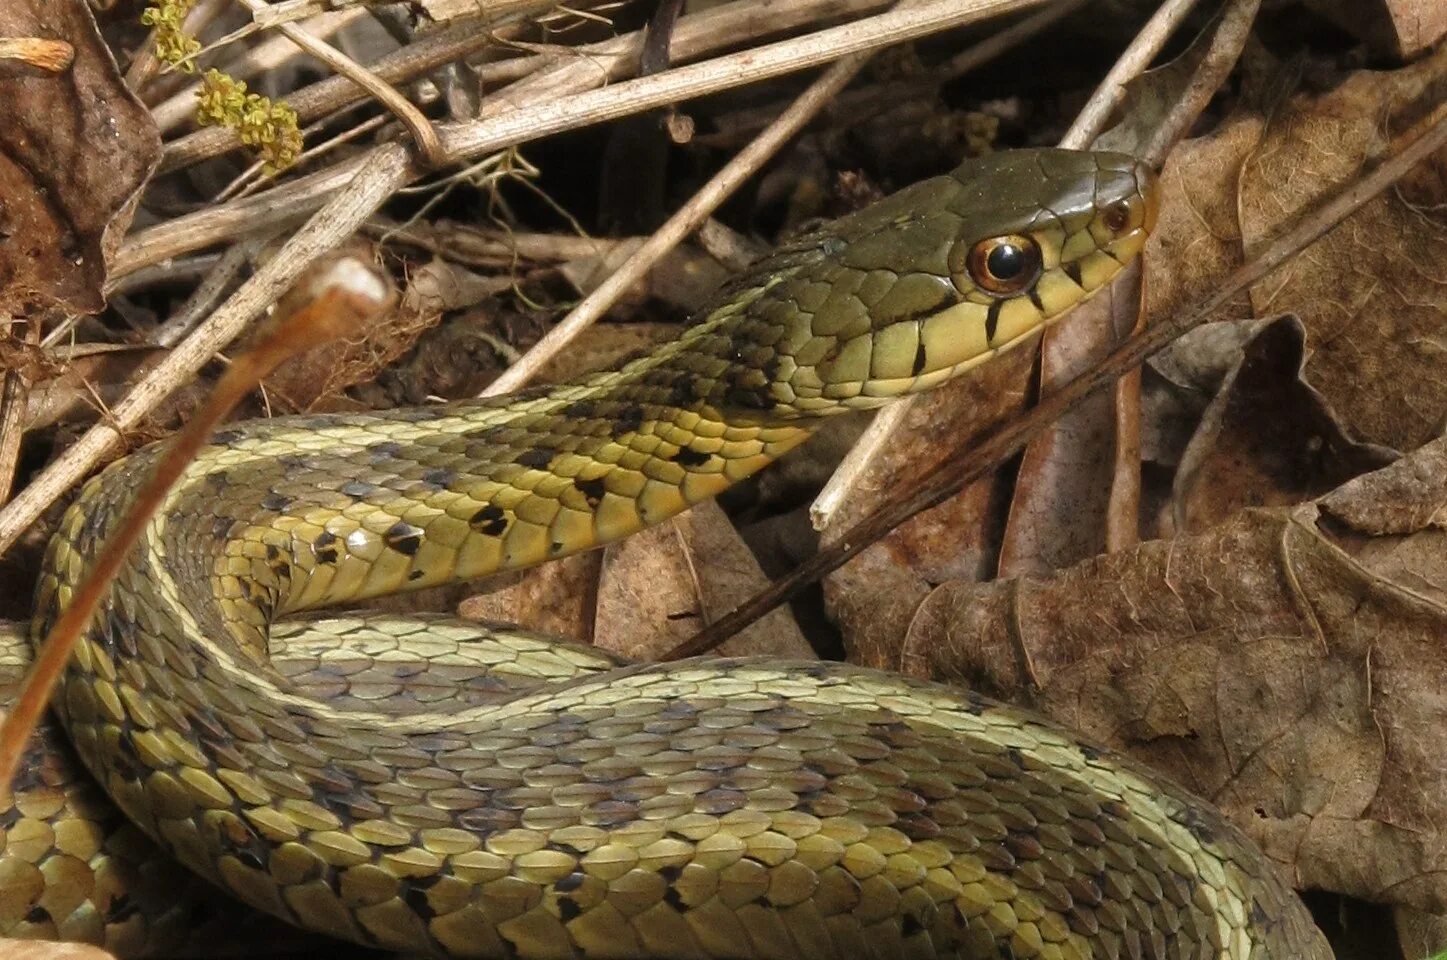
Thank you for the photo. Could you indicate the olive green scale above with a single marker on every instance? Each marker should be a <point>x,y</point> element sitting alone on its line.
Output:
<point>443,789</point>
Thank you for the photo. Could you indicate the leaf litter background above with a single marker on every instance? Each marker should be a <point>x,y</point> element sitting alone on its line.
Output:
<point>1276,642</point>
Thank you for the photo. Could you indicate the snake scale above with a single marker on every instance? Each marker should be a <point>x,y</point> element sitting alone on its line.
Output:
<point>439,788</point>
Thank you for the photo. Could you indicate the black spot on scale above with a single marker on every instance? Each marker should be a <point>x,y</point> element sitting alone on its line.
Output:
<point>490,434</point>
<point>689,457</point>
<point>324,547</point>
<point>439,477</point>
<point>909,925</point>
<point>225,438</point>
<point>1089,752</point>
<point>1072,270</point>
<point>1016,757</point>
<point>630,418</point>
<point>275,501</point>
<point>682,392</point>
<point>358,489</point>
<point>120,909</point>
<point>415,896</point>
<point>404,537</point>
<point>1035,299</point>
<point>580,410</point>
<point>919,360</point>
<point>37,914</point>
<point>538,457</point>
<point>592,490</point>
<point>570,883</point>
<point>489,521</point>
<point>250,859</point>
<point>568,909</point>
<point>992,321</point>
<point>415,575</point>
<point>385,450</point>
<point>218,479</point>
<point>748,398</point>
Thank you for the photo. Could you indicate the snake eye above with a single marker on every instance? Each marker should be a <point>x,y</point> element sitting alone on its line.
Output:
<point>1117,216</point>
<point>1004,265</point>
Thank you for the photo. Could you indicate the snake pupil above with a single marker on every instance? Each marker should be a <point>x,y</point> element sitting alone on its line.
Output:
<point>1117,216</point>
<point>1005,265</point>
<point>1006,261</point>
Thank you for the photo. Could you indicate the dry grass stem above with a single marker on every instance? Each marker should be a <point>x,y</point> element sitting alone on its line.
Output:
<point>419,128</point>
<point>469,140</point>
<point>687,219</point>
<point>347,295</point>
<point>328,228</point>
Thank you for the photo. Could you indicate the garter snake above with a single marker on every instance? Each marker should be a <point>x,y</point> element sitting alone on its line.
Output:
<point>561,805</point>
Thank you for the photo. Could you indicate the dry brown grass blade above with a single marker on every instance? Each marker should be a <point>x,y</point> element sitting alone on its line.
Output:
<point>335,301</point>
<point>950,477</point>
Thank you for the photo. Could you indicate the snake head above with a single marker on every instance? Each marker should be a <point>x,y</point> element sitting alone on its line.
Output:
<point>943,275</point>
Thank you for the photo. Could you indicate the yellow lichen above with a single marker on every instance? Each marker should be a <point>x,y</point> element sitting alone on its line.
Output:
<point>270,128</point>
<point>173,44</point>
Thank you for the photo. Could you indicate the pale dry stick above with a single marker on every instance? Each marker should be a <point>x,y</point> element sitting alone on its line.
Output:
<point>179,271</point>
<point>207,294</point>
<point>879,436</point>
<point>333,93</point>
<point>14,392</point>
<point>419,127</point>
<point>1132,63</point>
<point>684,221</point>
<point>468,140</point>
<point>867,102</point>
<point>346,296</point>
<point>951,476</point>
<point>328,228</point>
<point>179,108</point>
<point>696,35</point>
<point>1049,468</point>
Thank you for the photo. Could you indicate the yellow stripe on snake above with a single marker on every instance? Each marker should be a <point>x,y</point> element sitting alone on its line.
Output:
<point>555,804</point>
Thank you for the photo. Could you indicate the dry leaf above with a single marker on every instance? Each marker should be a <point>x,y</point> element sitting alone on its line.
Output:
<point>1370,293</point>
<point>874,596</point>
<point>1258,663</point>
<point>1268,438</point>
<point>75,148</point>
<point>663,585</point>
<point>1071,478</point>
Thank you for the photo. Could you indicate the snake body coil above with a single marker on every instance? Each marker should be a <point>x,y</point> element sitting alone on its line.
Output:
<point>563,806</point>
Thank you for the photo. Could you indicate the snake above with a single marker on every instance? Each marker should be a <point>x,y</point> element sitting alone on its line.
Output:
<point>449,789</point>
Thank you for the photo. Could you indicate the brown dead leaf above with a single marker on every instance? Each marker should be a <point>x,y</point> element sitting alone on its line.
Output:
<point>1258,663</point>
<point>874,596</point>
<point>1070,477</point>
<point>659,587</point>
<point>75,148</point>
<point>1267,439</point>
<point>558,598</point>
<point>1370,293</point>
<point>644,596</point>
